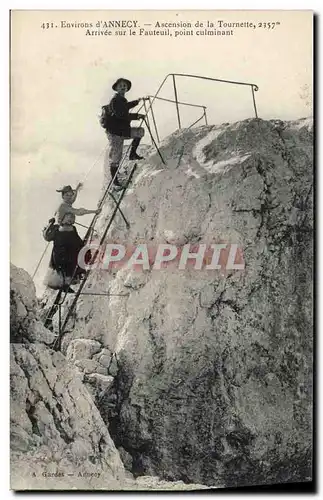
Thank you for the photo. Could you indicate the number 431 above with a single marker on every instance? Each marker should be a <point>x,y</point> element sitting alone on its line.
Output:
<point>46,26</point>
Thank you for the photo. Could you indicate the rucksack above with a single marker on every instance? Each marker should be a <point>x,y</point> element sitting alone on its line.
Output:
<point>50,230</point>
<point>106,113</point>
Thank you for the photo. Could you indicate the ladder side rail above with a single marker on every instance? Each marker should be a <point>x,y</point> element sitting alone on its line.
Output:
<point>82,284</point>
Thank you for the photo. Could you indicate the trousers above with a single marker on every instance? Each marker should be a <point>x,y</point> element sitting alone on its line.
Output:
<point>116,146</point>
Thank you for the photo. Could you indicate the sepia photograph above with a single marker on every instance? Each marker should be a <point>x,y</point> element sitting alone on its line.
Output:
<point>161,249</point>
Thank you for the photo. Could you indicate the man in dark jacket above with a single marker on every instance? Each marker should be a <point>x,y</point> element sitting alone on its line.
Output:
<point>116,119</point>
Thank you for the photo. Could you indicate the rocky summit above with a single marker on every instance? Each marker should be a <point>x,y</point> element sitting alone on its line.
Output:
<point>59,440</point>
<point>188,376</point>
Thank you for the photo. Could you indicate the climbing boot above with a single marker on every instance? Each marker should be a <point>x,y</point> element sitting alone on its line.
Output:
<point>133,151</point>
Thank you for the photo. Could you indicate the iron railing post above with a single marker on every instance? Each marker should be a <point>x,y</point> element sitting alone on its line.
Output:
<point>177,106</point>
<point>154,121</point>
<point>253,88</point>
<point>147,118</point>
<point>206,123</point>
<point>157,148</point>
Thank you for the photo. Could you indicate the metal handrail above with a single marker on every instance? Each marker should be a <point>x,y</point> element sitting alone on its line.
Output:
<point>179,102</point>
<point>216,79</point>
<point>253,86</point>
<point>151,109</point>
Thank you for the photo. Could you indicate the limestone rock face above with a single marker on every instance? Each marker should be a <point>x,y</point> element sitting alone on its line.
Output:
<point>82,349</point>
<point>213,369</point>
<point>55,426</point>
<point>24,322</point>
<point>58,438</point>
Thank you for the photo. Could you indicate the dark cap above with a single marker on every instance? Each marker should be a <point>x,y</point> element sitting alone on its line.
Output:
<point>65,189</point>
<point>128,82</point>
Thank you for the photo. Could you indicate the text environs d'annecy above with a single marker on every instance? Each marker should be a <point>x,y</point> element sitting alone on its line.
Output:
<point>158,28</point>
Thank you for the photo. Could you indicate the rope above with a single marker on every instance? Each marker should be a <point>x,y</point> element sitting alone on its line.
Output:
<point>40,261</point>
<point>93,165</point>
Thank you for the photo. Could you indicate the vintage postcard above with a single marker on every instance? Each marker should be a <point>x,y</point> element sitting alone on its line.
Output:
<point>161,290</point>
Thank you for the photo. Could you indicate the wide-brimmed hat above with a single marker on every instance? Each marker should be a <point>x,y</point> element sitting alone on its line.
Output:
<point>128,82</point>
<point>65,189</point>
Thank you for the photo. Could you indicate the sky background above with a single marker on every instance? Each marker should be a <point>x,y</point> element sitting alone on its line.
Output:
<point>60,78</point>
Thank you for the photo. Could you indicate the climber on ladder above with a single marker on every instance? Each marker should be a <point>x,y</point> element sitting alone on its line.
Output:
<point>67,243</point>
<point>63,262</point>
<point>115,119</point>
<point>69,196</point>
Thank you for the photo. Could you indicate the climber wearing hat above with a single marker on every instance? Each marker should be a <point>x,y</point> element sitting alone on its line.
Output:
<point>63,267</point>
<point>69,196</point>
<point>115,119</point>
